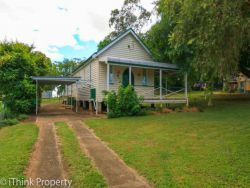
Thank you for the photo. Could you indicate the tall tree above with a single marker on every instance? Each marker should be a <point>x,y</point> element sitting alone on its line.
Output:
<point>18,62</point>
<point>131,15</point>
<point>214,29</point>
<point>244,64</point>
<point>65,68</point>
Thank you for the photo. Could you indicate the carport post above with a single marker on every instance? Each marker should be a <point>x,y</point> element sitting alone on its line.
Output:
<point>108,82</point>
<point>108,69</point>
<point>36,97</point>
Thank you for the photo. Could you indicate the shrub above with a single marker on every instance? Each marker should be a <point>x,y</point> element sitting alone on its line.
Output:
<point>7,114</point>
<point>7,122</point>
<point>21,117</point>
<point>123,103</point>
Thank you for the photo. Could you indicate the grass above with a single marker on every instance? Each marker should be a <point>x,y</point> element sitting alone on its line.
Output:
<point>81,171</point>
<point>206,149</point>
<point>16,144</point>
<point>51,101</point>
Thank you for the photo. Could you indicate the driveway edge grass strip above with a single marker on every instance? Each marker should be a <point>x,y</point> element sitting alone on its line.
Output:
<point>80,170</point>
<point>16,144</point>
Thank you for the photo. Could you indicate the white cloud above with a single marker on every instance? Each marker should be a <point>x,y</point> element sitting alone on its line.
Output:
<point>79,47</point>
<point>55,56</point>
<point>53,22</point>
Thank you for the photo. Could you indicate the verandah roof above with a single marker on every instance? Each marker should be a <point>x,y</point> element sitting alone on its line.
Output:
<point>142,63</point>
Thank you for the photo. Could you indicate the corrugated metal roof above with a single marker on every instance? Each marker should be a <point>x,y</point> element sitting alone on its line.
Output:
<point>141,63</point>
<point>55,79</point>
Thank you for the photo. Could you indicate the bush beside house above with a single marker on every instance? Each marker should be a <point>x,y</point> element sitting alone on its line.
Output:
<point>123,103</point>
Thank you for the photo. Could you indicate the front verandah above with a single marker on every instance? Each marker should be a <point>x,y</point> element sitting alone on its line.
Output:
<point>149,82</point>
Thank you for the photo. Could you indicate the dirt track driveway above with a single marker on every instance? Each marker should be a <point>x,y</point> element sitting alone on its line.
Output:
<point>46,163</point>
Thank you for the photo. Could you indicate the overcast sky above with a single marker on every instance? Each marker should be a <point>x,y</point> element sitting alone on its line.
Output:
<point>59,28</point>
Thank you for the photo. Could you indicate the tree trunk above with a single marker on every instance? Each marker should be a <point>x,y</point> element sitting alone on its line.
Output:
<point>210,93</point>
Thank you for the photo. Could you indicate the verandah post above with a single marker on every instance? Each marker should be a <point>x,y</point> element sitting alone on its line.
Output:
<point>130,77</point>
<point>166,84</point>
<point>186,87</point>
<point>160,83</point>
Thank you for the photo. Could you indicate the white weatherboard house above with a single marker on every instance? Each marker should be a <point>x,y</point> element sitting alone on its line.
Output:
<point>126,60</point>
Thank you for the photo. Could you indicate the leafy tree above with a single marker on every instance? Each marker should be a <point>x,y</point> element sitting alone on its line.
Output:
<point>18,62</point>
<point>131,15</point>
<point>244,64</point>
<point>214,30</point>
<point>65,68</point>
<point>157,39</point>
<point>107,40</point>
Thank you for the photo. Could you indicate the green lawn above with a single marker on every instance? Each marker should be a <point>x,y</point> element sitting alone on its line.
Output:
<point>81,171</point>
<point>51,101</point>
<point>16,144</point>
<point>205,149</point>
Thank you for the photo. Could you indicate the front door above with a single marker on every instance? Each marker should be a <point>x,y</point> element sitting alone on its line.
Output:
<point>125,78</point>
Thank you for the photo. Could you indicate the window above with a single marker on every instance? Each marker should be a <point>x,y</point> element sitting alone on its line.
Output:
<point>144,77</point>
<point>111,75</point>
<point>131,45</point>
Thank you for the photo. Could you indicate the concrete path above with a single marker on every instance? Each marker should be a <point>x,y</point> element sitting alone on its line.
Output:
<point>117,173</point>
<point>46,164</point>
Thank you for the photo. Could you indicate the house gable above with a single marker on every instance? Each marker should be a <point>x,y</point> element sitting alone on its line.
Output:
<point>127,47</point>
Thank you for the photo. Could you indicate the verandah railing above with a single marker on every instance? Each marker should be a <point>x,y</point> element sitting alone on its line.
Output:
<point>160,93</point>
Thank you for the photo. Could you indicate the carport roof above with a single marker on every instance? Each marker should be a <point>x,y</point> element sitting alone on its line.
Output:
<point>55,79</point>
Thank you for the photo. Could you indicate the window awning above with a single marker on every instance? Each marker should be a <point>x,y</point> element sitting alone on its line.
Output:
<point>142,63</point>
<point>55,80</point>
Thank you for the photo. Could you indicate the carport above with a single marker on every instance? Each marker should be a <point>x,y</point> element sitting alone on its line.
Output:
<point>53,80</point>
